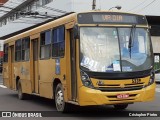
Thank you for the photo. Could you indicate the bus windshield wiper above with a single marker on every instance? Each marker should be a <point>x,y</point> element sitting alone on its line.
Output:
<point>131,38</point>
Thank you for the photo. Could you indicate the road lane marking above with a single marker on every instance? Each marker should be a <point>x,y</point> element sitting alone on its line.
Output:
<point>2,86</point>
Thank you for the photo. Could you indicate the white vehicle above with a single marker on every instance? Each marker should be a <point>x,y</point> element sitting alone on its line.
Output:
<point>157,77</point>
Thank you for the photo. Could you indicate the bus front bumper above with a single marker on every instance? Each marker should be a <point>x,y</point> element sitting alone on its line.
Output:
<point>88,96</point>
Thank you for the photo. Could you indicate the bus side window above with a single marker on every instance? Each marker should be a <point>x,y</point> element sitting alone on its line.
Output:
<point>45,44</point>
<point>18,51</point>
<point>5,53</point>
<point>58,42</point>
<point>25,48</point>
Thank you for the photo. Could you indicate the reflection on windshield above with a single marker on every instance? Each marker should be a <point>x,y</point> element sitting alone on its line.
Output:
<point>97,53</point>
<point>140,49</point>
<point>101,51</point>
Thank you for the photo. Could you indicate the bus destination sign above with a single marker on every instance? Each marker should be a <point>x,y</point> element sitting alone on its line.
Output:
<point>117,18</point>
<point>110,18</point>
<point>114,18</point>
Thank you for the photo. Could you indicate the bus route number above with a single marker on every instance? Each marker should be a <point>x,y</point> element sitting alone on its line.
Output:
<point>136,80</point>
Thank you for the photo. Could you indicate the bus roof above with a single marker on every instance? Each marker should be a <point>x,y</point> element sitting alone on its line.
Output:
<point>41,25</point>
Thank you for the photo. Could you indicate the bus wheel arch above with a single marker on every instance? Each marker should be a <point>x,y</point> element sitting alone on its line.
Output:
<point>56,81</point>
<point>60,103</point>
<point>21,95</point>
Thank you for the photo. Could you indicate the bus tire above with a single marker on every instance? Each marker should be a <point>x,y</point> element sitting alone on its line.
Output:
<point>21,95</point>
<point>61,105</point>
<point>121,106</point>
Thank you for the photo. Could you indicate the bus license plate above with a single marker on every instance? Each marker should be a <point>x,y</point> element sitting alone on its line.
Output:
<point>122,96</point>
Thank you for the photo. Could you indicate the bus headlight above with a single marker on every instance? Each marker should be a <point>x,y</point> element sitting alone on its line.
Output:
<point>152,77</point>
<point>86,80</point>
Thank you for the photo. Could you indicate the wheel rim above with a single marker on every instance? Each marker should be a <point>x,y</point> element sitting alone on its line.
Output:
<point>59,100</point>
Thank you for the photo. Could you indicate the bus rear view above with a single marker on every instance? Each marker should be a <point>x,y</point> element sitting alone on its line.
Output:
<point>116,59</point>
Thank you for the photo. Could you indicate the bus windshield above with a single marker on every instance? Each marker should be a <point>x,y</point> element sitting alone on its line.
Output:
<point>107,49</point>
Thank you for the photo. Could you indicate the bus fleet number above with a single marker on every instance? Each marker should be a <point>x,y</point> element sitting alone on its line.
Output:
<point>135,81</point>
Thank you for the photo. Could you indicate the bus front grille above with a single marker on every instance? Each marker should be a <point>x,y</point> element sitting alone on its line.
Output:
<point>126,87</point>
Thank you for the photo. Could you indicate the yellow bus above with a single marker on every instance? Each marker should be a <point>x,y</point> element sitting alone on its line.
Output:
<point>88,58</point>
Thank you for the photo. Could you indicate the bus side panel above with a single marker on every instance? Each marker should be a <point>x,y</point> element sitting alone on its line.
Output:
<point>47,76</point>
<point>63,76</point>
<point>46,68</point>
<point>5,75</point>
<point>22,69</point>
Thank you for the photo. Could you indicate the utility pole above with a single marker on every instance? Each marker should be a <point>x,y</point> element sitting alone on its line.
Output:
<point>94,5</point>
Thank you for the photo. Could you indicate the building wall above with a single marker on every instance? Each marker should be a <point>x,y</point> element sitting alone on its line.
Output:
<point>156,51</point>
<point>1,45</point>
<point>3,1</point>
<point>1,52</point>
<point>155,43</point>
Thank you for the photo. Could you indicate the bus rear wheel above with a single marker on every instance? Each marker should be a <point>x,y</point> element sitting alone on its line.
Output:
<point>61,105</point>
<point>21,95</point>
<point>121,106</point>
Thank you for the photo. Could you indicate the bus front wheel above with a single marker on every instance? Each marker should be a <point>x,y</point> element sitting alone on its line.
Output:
<point>121,106</point>
<point>61,105</point>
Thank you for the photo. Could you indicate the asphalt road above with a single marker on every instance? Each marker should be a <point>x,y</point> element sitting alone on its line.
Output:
<point>9,102</point>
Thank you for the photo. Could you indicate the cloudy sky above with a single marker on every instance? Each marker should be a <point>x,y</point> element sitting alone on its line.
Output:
<point>146,7</point>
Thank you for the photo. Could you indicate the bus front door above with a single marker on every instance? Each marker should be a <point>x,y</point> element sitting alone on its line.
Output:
<point>35,66</point>
<point>12,81</point>
<point>73,66</point>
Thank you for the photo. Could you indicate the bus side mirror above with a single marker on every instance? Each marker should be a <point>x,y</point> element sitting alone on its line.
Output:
<point>76,32</point>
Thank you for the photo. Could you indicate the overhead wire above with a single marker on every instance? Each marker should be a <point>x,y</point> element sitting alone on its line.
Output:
<point>44,16</point>
<point>49,8</point>
<point>145,6</point>
<point>46,7</point>
<point>138,5</point>
<point>28,11</point>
